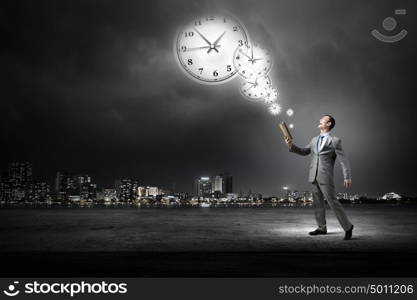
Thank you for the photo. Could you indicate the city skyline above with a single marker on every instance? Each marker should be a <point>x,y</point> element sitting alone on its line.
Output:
<point>94,88</point>
<point>20,182</point>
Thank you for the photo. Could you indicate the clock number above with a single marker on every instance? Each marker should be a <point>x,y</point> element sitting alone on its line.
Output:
<point>197,23</point>
<point>240,43</point>
<point>229,68</point>
<point>190,62</point>
<point>215,74</point>
<point>201,70</point>
<point>235,28</point>
<point>224,20</point>
<point>183,48</point>
<point>189,34</point>
<point>210,18</point>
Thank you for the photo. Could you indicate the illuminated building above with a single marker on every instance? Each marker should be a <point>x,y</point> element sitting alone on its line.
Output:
<point>127,189</point>
<point>223,183</point>
<point>149,191</point>
<point>67,185</point>
<point>203,187</point>
<point>38,191</point>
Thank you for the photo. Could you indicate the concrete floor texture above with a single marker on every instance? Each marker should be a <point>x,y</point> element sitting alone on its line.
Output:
<point>142,233</point>
<point>377,228</point>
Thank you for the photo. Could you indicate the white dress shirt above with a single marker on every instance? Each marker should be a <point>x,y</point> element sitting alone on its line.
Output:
<point>325,137</point>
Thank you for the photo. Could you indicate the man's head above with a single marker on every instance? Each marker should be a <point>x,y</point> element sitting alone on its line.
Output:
<point>327,123</point>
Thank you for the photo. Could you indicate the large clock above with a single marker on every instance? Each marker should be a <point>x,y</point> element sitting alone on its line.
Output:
<point>205,47</point>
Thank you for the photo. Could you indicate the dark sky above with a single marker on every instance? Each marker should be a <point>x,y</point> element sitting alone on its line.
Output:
<point>93,87</point>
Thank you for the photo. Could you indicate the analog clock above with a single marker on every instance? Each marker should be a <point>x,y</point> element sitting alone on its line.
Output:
<point>255,88</point>
<point>271,95</point>
<point>205,47</point>
<point>252,60</point>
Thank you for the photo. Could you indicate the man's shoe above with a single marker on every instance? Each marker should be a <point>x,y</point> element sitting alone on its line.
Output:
<point>318,231</point>
<point>348,234</point>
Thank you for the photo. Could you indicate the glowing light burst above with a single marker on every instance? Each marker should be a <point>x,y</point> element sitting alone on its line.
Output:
<point>274,109</point>
<point>291,125</point>
<point>290,112</point>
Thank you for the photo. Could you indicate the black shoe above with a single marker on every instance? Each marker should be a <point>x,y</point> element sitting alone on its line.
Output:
<point>348,234</point>
<point>318,231</point>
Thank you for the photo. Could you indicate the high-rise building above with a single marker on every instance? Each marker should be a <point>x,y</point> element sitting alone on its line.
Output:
<point>203,187</point>
<point>84,187</point>
<point>20,172</point>
<point>18,184</point>
<point>218,184</point>
<point>127,189</point>
<point>79,185</point>
<point>62,179</point>
<point>15,185</point>
<point>227,183</point>
<point>5,190</point>
<point>223,183</point>
<point>38,191</point>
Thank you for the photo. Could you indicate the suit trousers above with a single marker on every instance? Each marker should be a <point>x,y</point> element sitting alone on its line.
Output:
<point>327,191</point>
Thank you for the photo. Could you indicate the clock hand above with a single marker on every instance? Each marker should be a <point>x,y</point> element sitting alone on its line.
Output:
<point>246,56</point>
<point>215,43</point>
<point>251,50</point>
<point>203,37</point>
<point>219,38</point>
<point>198,48</point>
<point>255,59</point>
<point>214,47</point>
<point>250,87</point>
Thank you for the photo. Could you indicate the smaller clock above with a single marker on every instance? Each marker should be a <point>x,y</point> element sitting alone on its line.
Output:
<point>255,88</point>
<point>271,95</point>
<point>252,60</point>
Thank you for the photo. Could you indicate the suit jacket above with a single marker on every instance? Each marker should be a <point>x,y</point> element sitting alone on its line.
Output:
<point>322,160</point>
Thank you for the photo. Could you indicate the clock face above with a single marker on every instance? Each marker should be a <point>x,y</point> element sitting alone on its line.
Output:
<point>271,95</point>
<point>205,47</point>
<point>255,88</point>
<point>252,61</point>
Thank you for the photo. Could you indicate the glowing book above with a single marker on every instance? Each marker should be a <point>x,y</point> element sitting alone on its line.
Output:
<point>285,130</point>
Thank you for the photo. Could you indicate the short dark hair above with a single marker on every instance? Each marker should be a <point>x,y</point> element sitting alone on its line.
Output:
<point>331,120</point>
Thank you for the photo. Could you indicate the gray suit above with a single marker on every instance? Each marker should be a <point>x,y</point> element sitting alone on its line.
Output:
<point>321,176</point>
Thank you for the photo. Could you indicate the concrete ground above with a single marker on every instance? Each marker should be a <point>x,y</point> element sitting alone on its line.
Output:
<point>265,241</point>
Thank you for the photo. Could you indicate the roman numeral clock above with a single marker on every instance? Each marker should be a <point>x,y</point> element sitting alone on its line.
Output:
<point>205,47</point>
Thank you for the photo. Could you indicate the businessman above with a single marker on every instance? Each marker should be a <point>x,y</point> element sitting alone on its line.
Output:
<point>324,150</point>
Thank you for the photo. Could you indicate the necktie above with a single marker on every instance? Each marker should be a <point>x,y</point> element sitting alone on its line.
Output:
<point>319,143</point>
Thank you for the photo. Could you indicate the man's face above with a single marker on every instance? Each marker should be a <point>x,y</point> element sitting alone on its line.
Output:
<point>325,123</point>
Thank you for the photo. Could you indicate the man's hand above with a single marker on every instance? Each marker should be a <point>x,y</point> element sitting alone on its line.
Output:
<point>288,141</point>
<point>347,183</point>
